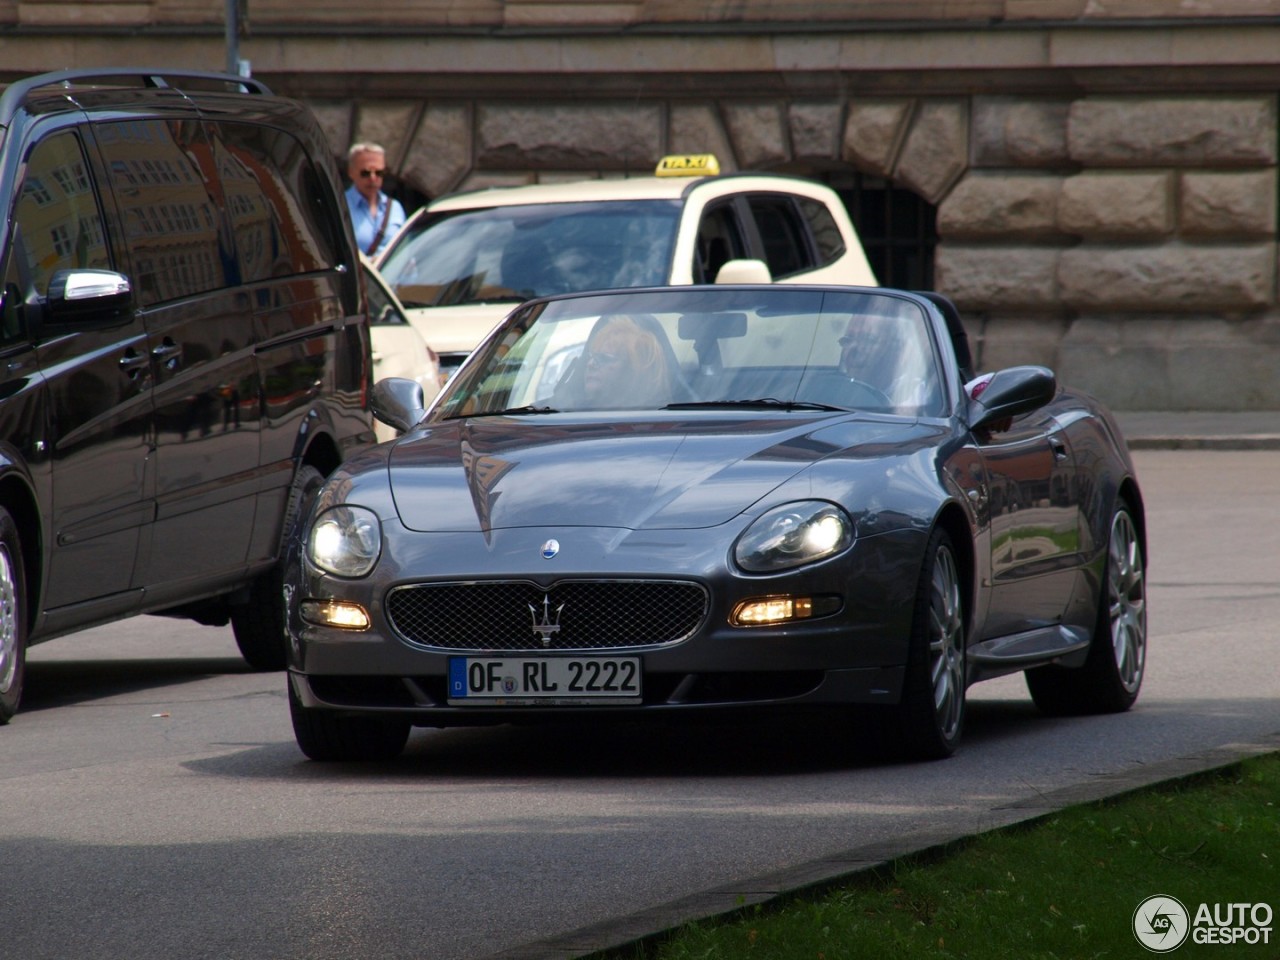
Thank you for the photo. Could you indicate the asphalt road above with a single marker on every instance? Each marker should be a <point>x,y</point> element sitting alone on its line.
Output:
<point>153,803</point>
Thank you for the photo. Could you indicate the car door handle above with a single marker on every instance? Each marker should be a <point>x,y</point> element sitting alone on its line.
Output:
<point>168,353</point>
<point>133,362</point>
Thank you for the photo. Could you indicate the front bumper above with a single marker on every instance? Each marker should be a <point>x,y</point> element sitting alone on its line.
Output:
<point>853,655</point>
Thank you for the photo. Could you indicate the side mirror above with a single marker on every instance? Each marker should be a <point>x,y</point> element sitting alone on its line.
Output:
<point>1011,393</point>
<point>398,402</point>
<point>744,271</point>
<point>78,296</point>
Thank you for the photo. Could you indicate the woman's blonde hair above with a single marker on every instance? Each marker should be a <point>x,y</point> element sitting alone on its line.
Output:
<point>647,374</point>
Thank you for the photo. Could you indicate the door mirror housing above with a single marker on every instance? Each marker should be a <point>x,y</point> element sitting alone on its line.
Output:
<point>1011,393</point>
<point>398,402</point>
<point>87,296</point>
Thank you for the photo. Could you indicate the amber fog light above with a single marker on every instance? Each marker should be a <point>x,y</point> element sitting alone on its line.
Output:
<point>762,610</point>
<point>334,613</point>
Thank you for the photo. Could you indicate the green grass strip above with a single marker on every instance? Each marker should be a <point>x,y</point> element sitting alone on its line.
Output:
<point>1064,887</point>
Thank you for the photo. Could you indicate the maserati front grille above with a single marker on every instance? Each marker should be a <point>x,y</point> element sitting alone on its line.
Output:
<point>570,615</point>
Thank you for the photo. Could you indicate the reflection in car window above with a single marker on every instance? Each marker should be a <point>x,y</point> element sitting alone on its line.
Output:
<point>702,347</point>
<point>825,232</point>
<point>57,213</point>
<point>164,181</point>
<point>786,247</point>
<point>523,251</point>
<point>264,173</point>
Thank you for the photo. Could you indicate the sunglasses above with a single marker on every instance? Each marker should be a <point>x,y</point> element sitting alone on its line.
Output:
<point>366,174</point>
<point>601,359</point>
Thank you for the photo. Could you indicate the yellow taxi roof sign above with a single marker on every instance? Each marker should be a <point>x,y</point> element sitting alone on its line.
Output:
<point>688,165</point>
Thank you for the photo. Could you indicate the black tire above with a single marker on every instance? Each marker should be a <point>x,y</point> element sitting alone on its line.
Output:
<point>1111,676</point>
<point>928,721</point>
<point>259,625</point>
<point>13,618</point>
<point>328,736</point>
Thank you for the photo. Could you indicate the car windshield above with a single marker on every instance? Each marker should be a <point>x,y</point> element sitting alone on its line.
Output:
<point>532,250</point>
<point>688,348</point>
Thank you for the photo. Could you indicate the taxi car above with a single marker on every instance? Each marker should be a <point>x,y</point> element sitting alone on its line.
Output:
<point>398,349</point>
<point>462,261</point>
<point>701,499</point>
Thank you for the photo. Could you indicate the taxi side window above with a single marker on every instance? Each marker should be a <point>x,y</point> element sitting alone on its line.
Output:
<point>57,216</point>
<point>163,177</point>
<point>720,239</point>
<point>823,227</point>
<point>783,233</point>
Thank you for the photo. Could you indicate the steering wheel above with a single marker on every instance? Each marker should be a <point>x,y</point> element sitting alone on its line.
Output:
<point>862,394</point>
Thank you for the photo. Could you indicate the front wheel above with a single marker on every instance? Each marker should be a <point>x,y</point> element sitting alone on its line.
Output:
<point>1112,674</point>
<point>13,625</point>
<point>927,723</point>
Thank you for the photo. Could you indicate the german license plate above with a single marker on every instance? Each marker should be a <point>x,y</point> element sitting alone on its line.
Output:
<point>513,681</point>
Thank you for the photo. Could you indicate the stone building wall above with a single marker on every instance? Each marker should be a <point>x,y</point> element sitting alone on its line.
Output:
<point>1104,171</point>
<point>1127,242</point>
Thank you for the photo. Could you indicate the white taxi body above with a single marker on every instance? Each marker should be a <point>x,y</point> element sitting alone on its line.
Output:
<point>398,348</point>
<point>461,263</point>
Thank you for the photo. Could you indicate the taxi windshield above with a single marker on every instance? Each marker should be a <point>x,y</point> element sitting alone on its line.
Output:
<point>518,252</point>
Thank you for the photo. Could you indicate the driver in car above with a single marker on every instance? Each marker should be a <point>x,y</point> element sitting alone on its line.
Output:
<point>877,351</point>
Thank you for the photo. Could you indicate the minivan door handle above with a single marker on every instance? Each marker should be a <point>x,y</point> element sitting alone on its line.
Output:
<point>168,353</point>
<point>133,362</point>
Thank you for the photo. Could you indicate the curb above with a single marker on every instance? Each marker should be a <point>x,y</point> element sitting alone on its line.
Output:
<point>648,926</point>
<point>1237,442</point>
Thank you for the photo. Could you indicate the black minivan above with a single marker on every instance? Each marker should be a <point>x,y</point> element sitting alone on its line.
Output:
<point>184,352</point>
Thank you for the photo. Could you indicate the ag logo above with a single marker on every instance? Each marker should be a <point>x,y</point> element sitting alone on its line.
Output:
<point>1161,923</point>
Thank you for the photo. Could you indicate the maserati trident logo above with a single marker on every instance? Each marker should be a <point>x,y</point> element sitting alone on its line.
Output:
<point>550,549</point>
<point>548,625</point>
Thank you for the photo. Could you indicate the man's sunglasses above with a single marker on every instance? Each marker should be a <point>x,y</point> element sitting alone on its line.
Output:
<point>366,174</point>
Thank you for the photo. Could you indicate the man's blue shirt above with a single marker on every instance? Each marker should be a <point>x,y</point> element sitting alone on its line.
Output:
<point>366,223</point>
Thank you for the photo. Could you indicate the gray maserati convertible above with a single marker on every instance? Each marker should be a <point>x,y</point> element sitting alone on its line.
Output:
<point>699,500</point>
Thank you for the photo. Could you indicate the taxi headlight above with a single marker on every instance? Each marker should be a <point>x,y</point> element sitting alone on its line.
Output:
<point>793,535</point>
<point>345,541</point>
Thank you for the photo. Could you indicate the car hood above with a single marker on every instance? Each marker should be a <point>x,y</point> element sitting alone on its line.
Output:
<point>502,472</point>
<point>458,330</point>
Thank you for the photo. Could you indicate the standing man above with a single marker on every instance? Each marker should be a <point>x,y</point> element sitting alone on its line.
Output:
<point>375,216</point>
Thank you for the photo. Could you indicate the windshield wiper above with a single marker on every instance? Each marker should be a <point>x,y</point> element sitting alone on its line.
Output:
<point>509,412</point>
<point>760,403</point>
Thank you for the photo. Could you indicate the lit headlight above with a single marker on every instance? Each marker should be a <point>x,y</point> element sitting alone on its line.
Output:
<point>345,541</point>
<point>793,535</point>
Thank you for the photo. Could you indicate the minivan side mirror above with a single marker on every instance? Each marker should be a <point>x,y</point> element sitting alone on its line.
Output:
<point>398,402</point>
<point>83,295</point>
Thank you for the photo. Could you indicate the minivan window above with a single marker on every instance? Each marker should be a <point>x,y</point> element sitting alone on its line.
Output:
<point>57,213</point>
<point>164,182</point>
<point>275,200</point>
